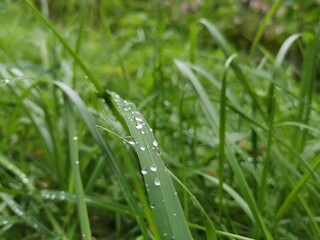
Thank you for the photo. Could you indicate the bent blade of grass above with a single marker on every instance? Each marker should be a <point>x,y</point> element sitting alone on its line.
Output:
<point>213,120</point>
<point>16,171</point>
<point>185,70</point>
<point>284,49</point>
<point>164,202</point>
<point>272,11</point>
<point>241,202</point>
<point>115,168</point>
<point>74,158</point>
<point>308,80</point>
<point>297,188</point>
<point>215,33</point>
<point>28,219</point>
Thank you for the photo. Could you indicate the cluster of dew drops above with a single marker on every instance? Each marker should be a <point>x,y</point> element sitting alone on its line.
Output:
<point>142,127</point>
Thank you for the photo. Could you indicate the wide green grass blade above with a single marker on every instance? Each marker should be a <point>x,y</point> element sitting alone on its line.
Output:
<point>164,201</point>
<point>113,164</point>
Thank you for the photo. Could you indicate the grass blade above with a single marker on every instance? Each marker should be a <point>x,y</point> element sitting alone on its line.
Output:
<point>215,33</point>
<point>296,190</point>
<point>164,201</point>
<point>77,59</point>
<point>107,152</point>
<point>74,158</point>
<point>213,120</point>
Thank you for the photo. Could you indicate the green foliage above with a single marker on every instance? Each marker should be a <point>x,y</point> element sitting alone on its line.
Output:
<point>93,92</point>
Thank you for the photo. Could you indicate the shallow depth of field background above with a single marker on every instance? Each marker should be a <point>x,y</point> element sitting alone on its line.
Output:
<point>229,91</point>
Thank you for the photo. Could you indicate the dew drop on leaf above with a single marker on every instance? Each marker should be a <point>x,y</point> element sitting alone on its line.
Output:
<point>139,126</point>
<point>157,182</point>
<point>153,168</point>
<point>144,171</point>
<point>143,148</point>
<point>126,108</point>
<point>155,143</point>
<point>138,119</point>
<point>158,152</point>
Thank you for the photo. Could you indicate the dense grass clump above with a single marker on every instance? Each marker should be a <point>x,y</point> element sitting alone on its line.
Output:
<point>128,120</point>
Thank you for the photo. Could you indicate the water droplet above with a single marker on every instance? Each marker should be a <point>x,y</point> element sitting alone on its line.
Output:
<point>135,112</point>
<point>75,138</point>
<point>85,76</point>
<point>174,214</point>
<point>151,130</point>
<point>167,103</point>
<point>157,182</point>
<point>144,171</point>
<point>152,206</point>
<point>143,148</point>
<point>5,222</point>
<point>165,234</point>
<point>153,168</point>
<point>25,179</point>
<point>61,196</point>
<point>139,126</point>
<point>158,152</point>
<point>142,132</point>
<point>77,162</point>
<point>138,119</point>
<point>126,108</point>
<point>7,81</point>
<point>130,140</point>
<point>155,143</point>
<point>175,193</point>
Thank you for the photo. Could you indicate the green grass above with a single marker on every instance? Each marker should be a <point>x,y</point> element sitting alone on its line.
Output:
<point>121,120</point>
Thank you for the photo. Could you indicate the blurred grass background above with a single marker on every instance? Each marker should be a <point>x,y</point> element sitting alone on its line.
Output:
<point>250,123</point>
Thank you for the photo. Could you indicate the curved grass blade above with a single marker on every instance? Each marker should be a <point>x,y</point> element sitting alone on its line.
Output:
<point>16,171</point>
<point>164,201</point>
<point>115,168</point>
<point>28,219</point>
<point>215,33</point>
<point>263,25</point>
<point>242,203</point>
<point>296,190</point>
<point>213,120</point>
